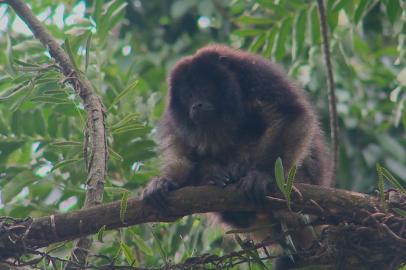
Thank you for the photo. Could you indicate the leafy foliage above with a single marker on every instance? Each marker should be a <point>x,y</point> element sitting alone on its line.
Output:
<point>126,47</point>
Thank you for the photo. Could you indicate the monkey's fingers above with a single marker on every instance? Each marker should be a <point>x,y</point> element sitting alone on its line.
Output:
<point>218,181</point>
<point>236,171</point>
<point>157,200</point>
<point>218,178</point>
<point>157,191</point>
<point>255,186</point>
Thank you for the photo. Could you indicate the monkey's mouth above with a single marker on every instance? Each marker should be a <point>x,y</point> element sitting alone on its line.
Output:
<point>202,118</point>
<point>202,114</point>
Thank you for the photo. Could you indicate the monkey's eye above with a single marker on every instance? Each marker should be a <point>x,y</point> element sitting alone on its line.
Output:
<point>187,95</point>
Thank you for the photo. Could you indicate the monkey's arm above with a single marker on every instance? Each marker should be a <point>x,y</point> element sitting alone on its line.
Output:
<point>175,171</point>
<point>288,136</point>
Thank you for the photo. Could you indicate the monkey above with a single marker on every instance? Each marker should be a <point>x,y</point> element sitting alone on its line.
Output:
<point>229,115</point>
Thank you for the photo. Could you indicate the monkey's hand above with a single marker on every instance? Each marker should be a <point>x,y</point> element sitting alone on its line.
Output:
<point>216,175</point>
<point>157,191</point>
<point>224,175</point>
<point>255,185</point>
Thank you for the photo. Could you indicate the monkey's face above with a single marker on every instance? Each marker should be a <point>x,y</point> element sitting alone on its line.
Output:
<point>204,93</point>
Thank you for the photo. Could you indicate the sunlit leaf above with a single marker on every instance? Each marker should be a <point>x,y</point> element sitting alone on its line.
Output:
<point>123,206</point>
<point>299,30</point>
<point>128,253</point>
<point>88,43</point>
<point>15,186</point>
<point>393,9</point>
<point>247,32</point>
<point>142,245</point>
<point>255,20</point>
<point>65,162</point>
<point>279,175</point>
<point>282,35</point>
<point>123,93</point>
<point>70,54</point>
<point>360,10</point>
<point>314,25</point>
<point>100,233</point>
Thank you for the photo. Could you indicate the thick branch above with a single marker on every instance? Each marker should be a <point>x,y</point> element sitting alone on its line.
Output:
<point>92,104</point>
<point>317,200</point>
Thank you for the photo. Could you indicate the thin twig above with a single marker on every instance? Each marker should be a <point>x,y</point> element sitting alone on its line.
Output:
<point>334,130</point>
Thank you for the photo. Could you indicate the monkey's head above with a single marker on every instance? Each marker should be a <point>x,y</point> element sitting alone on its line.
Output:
<point>204,93</point>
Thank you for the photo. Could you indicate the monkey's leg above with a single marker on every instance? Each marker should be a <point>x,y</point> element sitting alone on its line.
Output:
<point>288,137</point>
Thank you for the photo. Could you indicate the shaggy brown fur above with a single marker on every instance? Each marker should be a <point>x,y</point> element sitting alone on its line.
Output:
<point>229,116</point>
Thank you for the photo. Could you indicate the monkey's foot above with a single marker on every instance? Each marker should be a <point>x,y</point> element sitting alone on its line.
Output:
<point>156,192</point>
<point>255,186</point>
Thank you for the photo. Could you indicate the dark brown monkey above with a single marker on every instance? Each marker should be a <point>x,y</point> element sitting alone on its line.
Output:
<point>229,116</point>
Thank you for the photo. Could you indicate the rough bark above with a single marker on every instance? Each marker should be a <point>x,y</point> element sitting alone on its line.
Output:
<point>95,126</point>
<point>354,212</point>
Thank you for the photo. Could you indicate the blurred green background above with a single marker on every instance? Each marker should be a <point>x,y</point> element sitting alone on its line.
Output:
<point>126,48</point>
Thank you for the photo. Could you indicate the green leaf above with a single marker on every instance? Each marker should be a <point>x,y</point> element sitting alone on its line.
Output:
<point>16,119</point>
<point>279,48</point>
<point>299,33</point>
<point>53,125</point>
<point>247,32</point>
<point>16,185</point>
<point>123,206</point>
<point>257,43</point>
<point>393,9</point>
<point>9,93</point>
<point>289,184</point>
<point>88,43</point>
<point>116,190</point>
<point>256,258</point>
<point>276,9</point>
<point>159,244</point>
<point>123,93</point>
<point>26,64</point>
<point>279,175</point>
<point>270,41</point>
<point>127,129</point>
<point>255,20</point>
<point>142,245</point>
<point>105,22</point>
<point>381,184</point>
<point>39,121</point>
<point>115,155</point>
<point>340,4</point>
<point>65,143</point>
<point>360,10</point>
<point>49,99</point>
<point>100,233</point>
<point>314,26</point>
<point>392,180</point>
<point>400,212</point>
<point>97,10</point>
<point>291,178</point>
<point>65,163</point>
<point>125,120</point>
<point>9,57</point>
<point>128,253</point>
<point>70,54</point>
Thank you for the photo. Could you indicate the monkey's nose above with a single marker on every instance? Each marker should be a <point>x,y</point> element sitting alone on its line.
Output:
<point>197,106</point>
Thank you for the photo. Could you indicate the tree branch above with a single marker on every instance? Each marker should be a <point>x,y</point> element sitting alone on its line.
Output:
<point>332,101</point>
<point>95,122</point>
<point>333,206</point>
